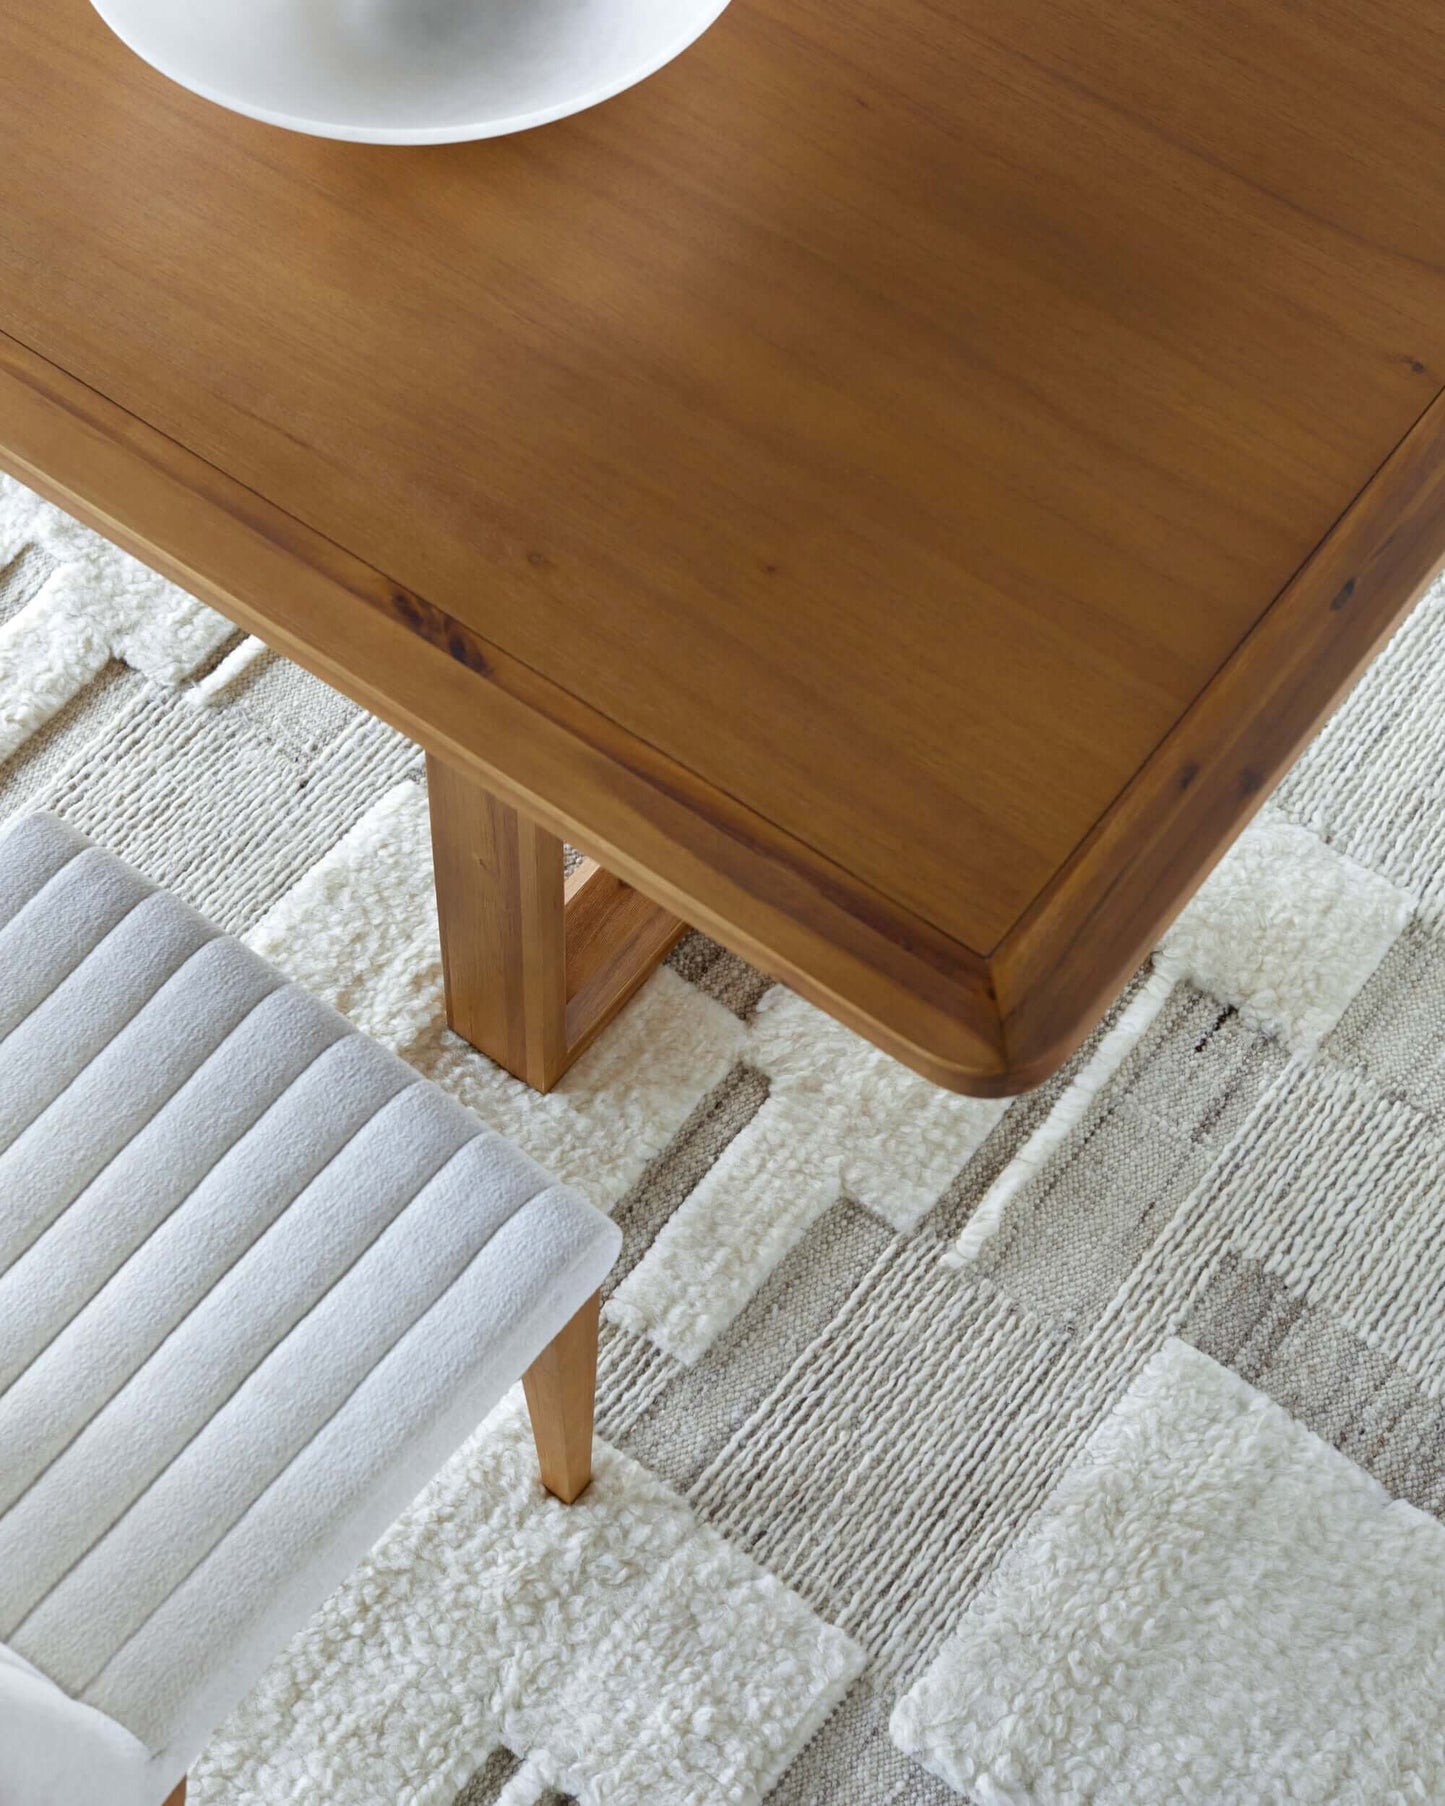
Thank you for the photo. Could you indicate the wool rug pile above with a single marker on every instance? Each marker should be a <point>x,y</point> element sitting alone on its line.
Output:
<point>1084,1448</point>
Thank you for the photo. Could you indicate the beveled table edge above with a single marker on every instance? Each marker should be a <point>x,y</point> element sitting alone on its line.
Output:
<point>1078,943</point>
<point>986,1024</point>
<point>898,980</point>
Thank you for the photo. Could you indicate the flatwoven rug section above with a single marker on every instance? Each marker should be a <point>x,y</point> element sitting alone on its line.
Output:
<point>1088,1448</point>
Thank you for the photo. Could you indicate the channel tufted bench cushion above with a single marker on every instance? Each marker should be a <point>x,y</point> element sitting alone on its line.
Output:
<point>258,1279</point>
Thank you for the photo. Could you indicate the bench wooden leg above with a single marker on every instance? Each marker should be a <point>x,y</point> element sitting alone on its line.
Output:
<point>536,965</point>
<point>561,1386</point>
<point>178,1798</point>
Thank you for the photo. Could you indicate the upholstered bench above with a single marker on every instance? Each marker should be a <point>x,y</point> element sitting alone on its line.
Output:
<point>257,1281</point>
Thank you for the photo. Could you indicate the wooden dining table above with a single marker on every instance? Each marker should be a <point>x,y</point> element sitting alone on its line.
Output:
<point>894,489</point>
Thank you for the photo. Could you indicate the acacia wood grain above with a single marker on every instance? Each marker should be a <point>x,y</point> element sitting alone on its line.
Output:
<point>1067,958</point>
<point>692,848</point>
<point>615,938</point>
<point>499,891</point>
<point>819,483</point>
<point>535,965</point>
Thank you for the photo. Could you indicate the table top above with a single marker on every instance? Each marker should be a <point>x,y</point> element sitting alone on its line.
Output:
<point>898,485</point>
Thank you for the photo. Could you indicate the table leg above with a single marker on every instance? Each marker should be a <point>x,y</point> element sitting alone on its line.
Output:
<point>536,965</point>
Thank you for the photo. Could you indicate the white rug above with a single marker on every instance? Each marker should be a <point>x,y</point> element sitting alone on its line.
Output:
<point>1213,1605</point>
<point>904,1396</point>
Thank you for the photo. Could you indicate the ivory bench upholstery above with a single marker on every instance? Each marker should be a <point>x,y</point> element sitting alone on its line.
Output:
<point>258,1279</point>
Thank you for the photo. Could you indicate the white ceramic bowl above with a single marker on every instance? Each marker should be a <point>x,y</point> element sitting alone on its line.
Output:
<point>408,71</point>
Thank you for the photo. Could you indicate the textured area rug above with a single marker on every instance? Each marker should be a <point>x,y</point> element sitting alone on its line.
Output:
<point>1088,1448</point>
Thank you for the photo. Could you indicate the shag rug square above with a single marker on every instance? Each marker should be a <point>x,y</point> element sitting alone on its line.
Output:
<point>1084,1448</point>
<point>1213,1605</point>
